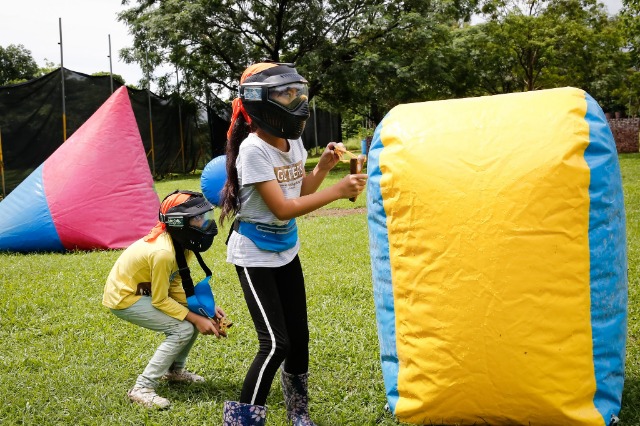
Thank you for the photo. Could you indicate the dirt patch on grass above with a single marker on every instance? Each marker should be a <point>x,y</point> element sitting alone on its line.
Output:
<point>337,212</point>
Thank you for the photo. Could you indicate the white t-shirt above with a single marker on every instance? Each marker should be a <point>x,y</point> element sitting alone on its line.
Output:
<point>260,162</point>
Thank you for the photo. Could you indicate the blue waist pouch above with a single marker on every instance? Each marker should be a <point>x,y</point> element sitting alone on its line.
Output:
<point>270,237</point>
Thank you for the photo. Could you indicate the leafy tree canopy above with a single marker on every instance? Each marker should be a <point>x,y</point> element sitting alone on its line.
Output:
<point>16,65</point>
<point>538,44</point>
<point>358,52</point>
<point>116,77</point>
<point>212,41</point>
<point>630,16</point>
<point>362,57</point>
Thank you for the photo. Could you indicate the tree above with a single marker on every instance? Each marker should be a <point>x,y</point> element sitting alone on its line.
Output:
<point>116,77</point>
<point>402,57</point>
<point>212,41</point>
<point>590,52</point>
<point>358,53</point>
<point>366,56</point>
<point>538,44</point>
<point>630,16</point>
<point>485,65</point>
<point>629,94</point>
<point>16,64</point>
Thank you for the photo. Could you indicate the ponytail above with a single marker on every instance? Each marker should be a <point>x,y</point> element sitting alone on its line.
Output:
<point>230,204</point>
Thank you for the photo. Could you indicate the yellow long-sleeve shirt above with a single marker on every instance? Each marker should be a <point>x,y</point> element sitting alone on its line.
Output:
<point>148,262</point>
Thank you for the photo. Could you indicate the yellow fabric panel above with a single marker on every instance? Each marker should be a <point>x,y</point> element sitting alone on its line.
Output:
<point>487,208</point>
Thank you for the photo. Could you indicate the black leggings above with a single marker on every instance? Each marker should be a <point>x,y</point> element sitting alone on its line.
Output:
<point>277,303</point>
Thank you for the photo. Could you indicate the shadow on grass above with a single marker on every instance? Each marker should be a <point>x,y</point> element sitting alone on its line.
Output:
<point>213,389</point>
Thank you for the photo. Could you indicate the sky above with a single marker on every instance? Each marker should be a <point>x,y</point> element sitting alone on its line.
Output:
<point>86,28</point>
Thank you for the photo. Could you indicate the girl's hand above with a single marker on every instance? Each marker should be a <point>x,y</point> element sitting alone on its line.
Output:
<point>220,313</point>
<point>329,157</point>
<point>351,185</point>
<point>203,324</point>
<point>206,326</point>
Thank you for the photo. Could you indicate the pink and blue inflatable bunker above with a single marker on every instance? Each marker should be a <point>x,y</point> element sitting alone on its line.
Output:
<point>498,250</point>
<point>213,178</point>
<point>94,192</point>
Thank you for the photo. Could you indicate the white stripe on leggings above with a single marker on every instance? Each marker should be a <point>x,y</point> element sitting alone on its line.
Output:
<point>273,338</point>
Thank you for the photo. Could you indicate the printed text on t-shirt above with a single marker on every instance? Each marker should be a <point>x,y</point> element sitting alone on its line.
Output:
<point>289,173</point>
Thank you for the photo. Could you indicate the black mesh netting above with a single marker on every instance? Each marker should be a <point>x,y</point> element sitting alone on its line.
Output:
<point>329,129</point>
<point>31,124</point>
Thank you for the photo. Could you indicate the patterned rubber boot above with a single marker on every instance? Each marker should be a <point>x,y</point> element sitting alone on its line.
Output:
<point>240,414</point>
<point>294,388</point>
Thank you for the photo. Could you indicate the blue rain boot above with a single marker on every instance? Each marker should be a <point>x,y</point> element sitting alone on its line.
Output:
<point>240,414</point>
<point>294,388</point>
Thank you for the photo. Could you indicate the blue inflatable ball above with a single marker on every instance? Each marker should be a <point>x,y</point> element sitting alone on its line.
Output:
<point>213,177</point>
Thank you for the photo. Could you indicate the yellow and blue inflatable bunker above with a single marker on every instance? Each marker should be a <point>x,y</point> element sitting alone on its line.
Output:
<point>498,251</point>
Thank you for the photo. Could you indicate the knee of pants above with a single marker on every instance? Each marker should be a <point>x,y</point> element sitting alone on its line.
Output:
<point>183,332</point>
<point>280,351</point>
<point>301,344</point>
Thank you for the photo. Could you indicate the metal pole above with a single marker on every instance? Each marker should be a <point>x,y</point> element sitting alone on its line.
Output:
<point>207,95</point>
<point>330,127</point>
<point>4,194</point>
<point>64,107</point>
<point>315,125</point>
<point>110,66</point>
<point>153,154</point>
<point>180,120</point>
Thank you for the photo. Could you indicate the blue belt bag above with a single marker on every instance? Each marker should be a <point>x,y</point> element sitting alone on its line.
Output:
<point>270,237</point>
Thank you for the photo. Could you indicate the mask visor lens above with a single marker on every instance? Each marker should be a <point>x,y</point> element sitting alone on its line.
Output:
<point>289,95</point>
<point>204,222</point>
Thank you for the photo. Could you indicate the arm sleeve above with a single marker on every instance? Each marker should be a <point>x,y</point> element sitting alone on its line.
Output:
<point>303,150</point>
<point>255,165</point>
<point>161,264</point>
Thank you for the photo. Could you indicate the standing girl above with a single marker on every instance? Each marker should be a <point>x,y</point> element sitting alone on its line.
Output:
<point>266,189</point>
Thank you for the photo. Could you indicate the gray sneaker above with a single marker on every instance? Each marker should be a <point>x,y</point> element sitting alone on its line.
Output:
<point>183,376</point>
<point>147,397</point>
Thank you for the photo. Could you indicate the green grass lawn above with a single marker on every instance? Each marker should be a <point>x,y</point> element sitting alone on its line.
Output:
<point>630,166</point>
<point>64,359</point>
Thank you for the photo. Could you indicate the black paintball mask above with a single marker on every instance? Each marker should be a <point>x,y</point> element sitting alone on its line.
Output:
<point>277,99</point>
<point>192,224</point>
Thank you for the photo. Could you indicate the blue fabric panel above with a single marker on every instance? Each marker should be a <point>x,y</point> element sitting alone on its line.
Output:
<point>608,257</point>
<point>26,224</point>
<point>381,270</point>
